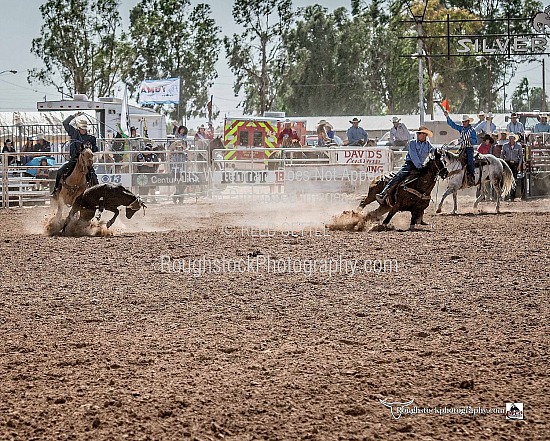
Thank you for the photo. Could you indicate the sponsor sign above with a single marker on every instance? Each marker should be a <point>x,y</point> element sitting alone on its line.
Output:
<point>162,179</point>
<point>248,177</point>
<point>165,91</point>
<point>124,179</point>
<point>376,160</point>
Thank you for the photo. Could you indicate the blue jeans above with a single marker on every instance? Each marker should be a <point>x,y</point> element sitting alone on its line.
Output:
<point>405,171</point>
<point>470,159</point>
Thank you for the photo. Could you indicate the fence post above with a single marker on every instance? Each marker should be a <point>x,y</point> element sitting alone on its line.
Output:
<point>5,181</point>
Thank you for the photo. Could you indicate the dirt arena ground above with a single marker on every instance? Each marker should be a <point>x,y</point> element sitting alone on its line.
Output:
<point>100,341</point>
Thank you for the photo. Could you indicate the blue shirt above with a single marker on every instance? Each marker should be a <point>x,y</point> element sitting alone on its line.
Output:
<point>516,128</point>
<point>418,152</point>
<point>355,134</point>
<point>541,127</point>
<point>482,127</point>
<point>461,128</point>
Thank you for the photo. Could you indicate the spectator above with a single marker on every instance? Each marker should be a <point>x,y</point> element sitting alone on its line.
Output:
<point>480,119</point>
<point>500,140</point>
<point>399,134</point>
<point>515,126</point>
<point>287,133</point>
<point>134,141</point>
<point>27,148</point>
<point>178,159</point>
<point>9,148</point>
<point>485,147</point>
<point>322,137</point>
<point>333,138</point>
<point>512,153</point>
<point>487,126</point>
<point>147,163</point>
<point>210,131</point>
<point>42,145</point>
<point>180,132</point>
<point>42,174</point>
<point>356,135</point>
<point>543,125</point>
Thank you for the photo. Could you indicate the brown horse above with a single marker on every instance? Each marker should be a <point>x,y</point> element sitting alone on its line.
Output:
<point>75,184</point>
<point>411,195</point>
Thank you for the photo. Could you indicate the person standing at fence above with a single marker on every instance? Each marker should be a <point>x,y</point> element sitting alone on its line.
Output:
<point>287,134</point>
<point>515,126</point>
<point>147,163</point>
<point>512,153</point>
<point>321,130</point>
<point>9,148</point>
<point>210,131</point>
<point>487,126</point>
<point>480,120</point>
<point>356,135</point>
<point>399,134</point>
<point>542,126</point>
<point>42,145</point>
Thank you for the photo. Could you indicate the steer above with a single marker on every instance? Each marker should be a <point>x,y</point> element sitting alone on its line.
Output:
<point>101,197</point>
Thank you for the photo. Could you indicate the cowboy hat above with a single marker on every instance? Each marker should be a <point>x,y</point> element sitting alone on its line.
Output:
<point>513,135</point>
<point>321,123</point>
<point>287,121</point>
<point>82,124</point>
<point>466,118</point>
<point>39,136</point>
<point>425,130</point>
<point>490,115</point>
<point>395,119</point>
<point>514,115</point>
<point>481,113</point>
<point>355,120</point>
<point>488,137</point>
<point>329,125</point>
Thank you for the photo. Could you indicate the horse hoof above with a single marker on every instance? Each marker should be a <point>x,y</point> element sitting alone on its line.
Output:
<point>438,210</point>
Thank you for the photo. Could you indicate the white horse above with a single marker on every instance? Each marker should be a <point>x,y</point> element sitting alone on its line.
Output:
<point>497,173</point>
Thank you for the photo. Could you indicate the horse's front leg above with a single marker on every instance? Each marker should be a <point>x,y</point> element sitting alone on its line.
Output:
<point>447,193</point>
<point>112,220</point>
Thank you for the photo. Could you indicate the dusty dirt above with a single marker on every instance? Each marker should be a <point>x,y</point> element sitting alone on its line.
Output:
<point>98,343</point>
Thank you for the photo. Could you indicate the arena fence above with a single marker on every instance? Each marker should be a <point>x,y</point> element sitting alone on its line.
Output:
<point>191,171</point>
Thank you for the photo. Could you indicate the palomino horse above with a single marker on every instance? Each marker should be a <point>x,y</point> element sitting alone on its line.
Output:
<point>75,184</point>
<point>497,172</point>
<point>413,194</point>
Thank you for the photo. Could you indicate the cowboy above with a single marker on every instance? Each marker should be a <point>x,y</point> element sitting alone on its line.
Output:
<point>79,138</point>
<point>512,153</point>
<point>515,126</point>
<point>543,125</point>
<point>399,134</point>
<point>287,132</point>
<point>487,126</point>
<point>480,118</point>
<point>322,137</point>
<point>356,135</point>
<point>418,151</point>
<point>468,137</point>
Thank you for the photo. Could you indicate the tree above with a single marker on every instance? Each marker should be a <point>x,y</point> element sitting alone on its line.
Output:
<point>80,46</point>
<point>527,99</point>
<point>172,40</point>
<point>255,56</point>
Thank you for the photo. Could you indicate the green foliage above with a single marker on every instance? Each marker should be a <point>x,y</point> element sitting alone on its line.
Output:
<point>81,47</point>
<point>171,39</point>
<point>526,99</point>
<point>255,56</point>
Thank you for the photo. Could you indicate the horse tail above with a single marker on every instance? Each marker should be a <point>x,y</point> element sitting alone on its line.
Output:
<point>508,179</point>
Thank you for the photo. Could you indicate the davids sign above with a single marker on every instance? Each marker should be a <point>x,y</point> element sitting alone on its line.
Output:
<point>377,160</point>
